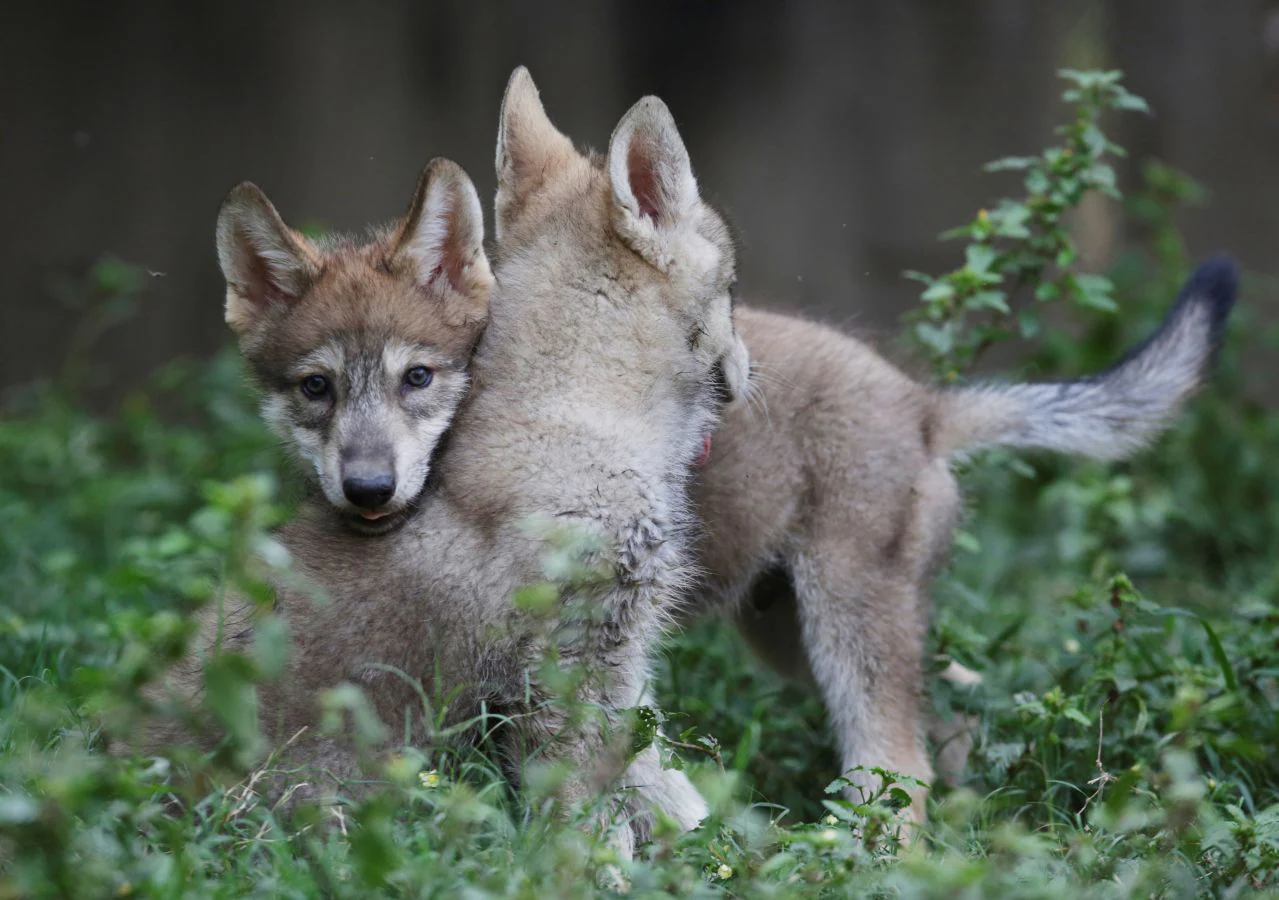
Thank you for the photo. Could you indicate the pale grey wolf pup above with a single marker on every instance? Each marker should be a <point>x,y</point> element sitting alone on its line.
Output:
<point>829,503</point>
<point>608,353</point>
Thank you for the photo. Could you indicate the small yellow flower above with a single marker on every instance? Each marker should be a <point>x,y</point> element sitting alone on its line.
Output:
<point>1071,645</point>
<point>124,890</point>
<point>429,778</point>
<point>828,835</point>
<point>724,872</point>
<point>983,216</point>
<point>830,820</point>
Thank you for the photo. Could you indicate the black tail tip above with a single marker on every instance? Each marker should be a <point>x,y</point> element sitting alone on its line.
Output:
<point>1215,283</point>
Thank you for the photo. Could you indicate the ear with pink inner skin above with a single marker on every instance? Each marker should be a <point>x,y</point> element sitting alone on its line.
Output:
<point>529,148</point>
<point>654,191</point>
<point>265,263</point>
<point>442,241</point>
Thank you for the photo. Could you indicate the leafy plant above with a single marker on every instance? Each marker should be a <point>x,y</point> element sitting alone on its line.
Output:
<point>1024,244</point>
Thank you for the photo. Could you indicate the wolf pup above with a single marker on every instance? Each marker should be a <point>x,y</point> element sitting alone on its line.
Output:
<point>609,352</point>
<point>360,348</point>
<point>829,503</point>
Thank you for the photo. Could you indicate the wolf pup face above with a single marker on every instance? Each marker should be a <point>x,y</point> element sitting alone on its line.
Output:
<point>361,346</point>
<point>637,216</point>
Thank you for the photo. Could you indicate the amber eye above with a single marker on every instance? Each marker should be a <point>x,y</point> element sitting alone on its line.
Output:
<point>315,387</point>
<point>418,377</point>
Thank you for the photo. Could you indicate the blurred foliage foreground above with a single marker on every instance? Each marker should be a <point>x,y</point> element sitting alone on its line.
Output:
<point>1123,618</point>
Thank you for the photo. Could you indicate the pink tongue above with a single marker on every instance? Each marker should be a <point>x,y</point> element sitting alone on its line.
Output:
<point>705,456</point>
<point>373,516</point>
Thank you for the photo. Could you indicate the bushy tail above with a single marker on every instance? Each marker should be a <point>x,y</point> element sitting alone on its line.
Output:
<point>1113,413</point>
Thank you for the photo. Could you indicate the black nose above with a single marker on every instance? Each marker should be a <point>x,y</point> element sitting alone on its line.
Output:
<point>369,491</point>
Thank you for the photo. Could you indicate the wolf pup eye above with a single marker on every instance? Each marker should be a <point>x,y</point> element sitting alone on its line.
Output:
<point>418,377</point>
<point>315,386</point>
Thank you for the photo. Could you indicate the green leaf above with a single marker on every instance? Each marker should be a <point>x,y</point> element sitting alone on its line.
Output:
<point>1219,653</point>
<point>1094,292</point>
<point>1214,645</point>
<point>989,300</point>
<point>1046,291</point>
<point>1011,163</point>
<point>1101,176</point>
<point>938,290</point>
<point>346,702</point>
<point>229,694</point>
<point>18,809</point>
<point>837,785</point>
<point>1010,221</point>
<point>979,258</point>
<point>1028,323</point>
<point>539,597</point>
<point>644,729</point>
<point>1094,140</point>
<point>1076,716</point>
<point>967,541</point>
<point>1129,101</point>
<point>939,340</point>
<point>270,646</point>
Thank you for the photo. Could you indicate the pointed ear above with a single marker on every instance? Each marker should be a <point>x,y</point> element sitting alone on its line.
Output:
<point>528,147</point>
<point>654,190</point>
<point>264,262</point>
<point>441,240</point>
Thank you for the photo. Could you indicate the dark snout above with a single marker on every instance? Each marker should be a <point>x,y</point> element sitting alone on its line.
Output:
<point>368,482</point>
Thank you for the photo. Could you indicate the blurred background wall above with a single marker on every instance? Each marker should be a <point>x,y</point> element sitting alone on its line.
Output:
<point>840,137</point>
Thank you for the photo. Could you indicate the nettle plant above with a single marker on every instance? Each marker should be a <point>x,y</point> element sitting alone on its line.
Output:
<point>1023,246</point>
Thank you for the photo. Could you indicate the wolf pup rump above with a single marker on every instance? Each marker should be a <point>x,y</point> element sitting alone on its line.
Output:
<point>829,502</point>
<point>609,352</point>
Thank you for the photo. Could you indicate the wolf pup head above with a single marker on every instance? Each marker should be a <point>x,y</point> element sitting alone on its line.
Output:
<point>361,347</point>
<point>666,258</point>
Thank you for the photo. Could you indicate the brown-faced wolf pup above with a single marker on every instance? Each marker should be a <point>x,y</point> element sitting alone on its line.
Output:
<point>829,503</point>
<point>608,353</point>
